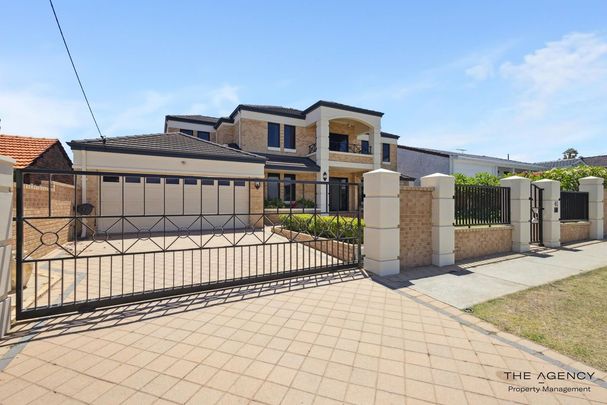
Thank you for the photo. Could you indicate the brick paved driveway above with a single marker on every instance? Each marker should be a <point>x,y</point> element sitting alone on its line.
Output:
<point>322,339</point>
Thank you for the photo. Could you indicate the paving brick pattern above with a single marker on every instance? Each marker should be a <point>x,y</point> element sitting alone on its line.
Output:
<point>341,338</point>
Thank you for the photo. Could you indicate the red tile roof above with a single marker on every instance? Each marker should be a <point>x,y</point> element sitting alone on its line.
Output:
<point>24,149</point>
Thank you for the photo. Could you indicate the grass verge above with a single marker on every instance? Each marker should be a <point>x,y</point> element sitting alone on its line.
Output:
<point>569,316</point>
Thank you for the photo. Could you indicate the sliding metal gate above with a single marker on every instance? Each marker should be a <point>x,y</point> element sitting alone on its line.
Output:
<point>91,239</point>
<point>537,214</point>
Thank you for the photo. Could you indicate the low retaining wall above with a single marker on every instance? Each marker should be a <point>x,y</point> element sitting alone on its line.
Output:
<point>341,250</point>
<point>575,231</point>
<point>481,241</point>
<point>415,226</point>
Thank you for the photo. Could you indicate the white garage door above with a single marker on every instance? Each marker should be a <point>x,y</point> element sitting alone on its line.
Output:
<point>189,204</point>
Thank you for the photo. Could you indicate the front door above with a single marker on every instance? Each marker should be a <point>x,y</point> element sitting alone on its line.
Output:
<point>338,194</point>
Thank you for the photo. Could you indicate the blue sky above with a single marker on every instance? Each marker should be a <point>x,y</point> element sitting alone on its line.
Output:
<point>527,78</point>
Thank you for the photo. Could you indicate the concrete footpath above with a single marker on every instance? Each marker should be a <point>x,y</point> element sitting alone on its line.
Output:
<point>471,282</point>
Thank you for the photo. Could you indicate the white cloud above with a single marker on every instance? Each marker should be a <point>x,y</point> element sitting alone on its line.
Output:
<point>575,58</point>
<point>482,71</point>
<point>35,112</point>
<point>220,101</point>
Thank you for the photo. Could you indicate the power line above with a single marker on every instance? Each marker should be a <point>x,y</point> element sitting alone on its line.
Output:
<point>75,71</point>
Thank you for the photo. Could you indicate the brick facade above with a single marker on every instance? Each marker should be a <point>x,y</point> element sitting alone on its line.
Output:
<point>575,231</point>
<point>350,157</point>
<point>415,226</point>
<point>35,203</point>
<point>482,241</point>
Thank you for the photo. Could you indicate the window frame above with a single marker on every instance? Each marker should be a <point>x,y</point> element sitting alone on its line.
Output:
<point>289,188</point>
<point>291,135</point>
<point>207,135</point>
<point>385,157</point>
<point>273,181</point>
<point>170,181</point>
<point>277,126</point>
<point>132,179</point>
<point>187,131</point>
<point>153,180</point>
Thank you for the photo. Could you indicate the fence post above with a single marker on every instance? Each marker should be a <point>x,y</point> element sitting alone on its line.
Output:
<point>382,218</point>
<point>6,213</point>
<point>443,217</point>
<point>520,211</point>
<point>594,187</point>
<point>551,220</point>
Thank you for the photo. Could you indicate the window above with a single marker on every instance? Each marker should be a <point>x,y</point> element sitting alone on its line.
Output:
<point>132,179</point>
<point>364,147</point>
<point>273,135</point>
<point>204,135</point>
<point>289,137</point>
<point>289,187</point>
<point>152,180</point>
<point>273,185</point>
<point>338,142</point>
<point>190,181</point>
<point>111,179</point>
<point>224,182</point>
<point>171,180</point>
<point>238,183</point>
<point>207,182</point>
<point>385,152</point>
<point>187,131</point>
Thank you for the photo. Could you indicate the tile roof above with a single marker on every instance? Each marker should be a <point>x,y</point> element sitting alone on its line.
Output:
<point>561,163</point>
<point>505,162</point>
<point>600,160</point>
<point>24,149</point>
<point>285,162</point>
<point>174,144</point>
<point>203,119</point>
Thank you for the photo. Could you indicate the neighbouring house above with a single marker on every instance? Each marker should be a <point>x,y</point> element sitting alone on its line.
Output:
<point>326,141</point>
<point>419,162</point>
<point>599,160</point>
<point>36,153</point>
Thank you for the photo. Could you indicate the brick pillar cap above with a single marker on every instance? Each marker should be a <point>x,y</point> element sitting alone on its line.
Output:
<point>515,178</point>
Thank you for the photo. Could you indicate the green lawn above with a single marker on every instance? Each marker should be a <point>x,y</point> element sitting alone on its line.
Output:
<point>569,316</point>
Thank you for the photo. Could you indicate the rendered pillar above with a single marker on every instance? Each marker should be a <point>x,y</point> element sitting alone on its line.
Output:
<point>382,219</point>
<point>6,213</point>
<point>322,160</point>
<point>443,217</point>
<point>594,187</point>
<point>520,213</point>
<point>551,213</point>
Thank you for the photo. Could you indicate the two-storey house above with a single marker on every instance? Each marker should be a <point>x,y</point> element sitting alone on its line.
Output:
<point>326,141</point>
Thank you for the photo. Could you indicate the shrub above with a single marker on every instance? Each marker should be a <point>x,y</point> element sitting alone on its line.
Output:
<point>273,203</point>
<point>569,177</point>
<point>479,179</point>
<point>326,226</point>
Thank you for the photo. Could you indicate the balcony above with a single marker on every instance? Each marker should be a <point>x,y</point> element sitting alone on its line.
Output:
<point>344,147</point>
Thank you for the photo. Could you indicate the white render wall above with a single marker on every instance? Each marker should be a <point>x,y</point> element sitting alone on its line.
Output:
<point>130,163</point>
<point>6,212</point>
<point>470,167</point>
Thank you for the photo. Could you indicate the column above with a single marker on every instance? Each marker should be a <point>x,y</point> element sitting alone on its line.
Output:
<point>322,160</point>
<point>376,144</point>
<point>6,213</point>
<point>443,217</point>
<point>382,218</point>
<point>520,211</point>
<point>551,213</point>
<point>594,187</point>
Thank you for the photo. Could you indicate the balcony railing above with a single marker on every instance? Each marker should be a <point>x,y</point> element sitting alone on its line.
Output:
<point>342,147</point>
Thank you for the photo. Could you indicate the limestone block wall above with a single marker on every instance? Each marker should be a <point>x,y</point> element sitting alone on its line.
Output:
<point>35,203</point>
<point>415,226</point>
<point>575,231</point>
<point>481,241</point>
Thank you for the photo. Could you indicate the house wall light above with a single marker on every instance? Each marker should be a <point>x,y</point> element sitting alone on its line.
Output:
<point>324,176</point>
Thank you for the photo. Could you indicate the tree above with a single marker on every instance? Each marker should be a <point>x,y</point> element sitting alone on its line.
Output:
<point>570,153</point>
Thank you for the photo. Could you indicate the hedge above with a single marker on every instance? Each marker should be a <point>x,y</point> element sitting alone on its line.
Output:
<point>326,226</point>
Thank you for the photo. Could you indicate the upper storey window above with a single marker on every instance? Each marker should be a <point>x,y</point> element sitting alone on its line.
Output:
<point>289,137</point>
<point>273,135</point>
